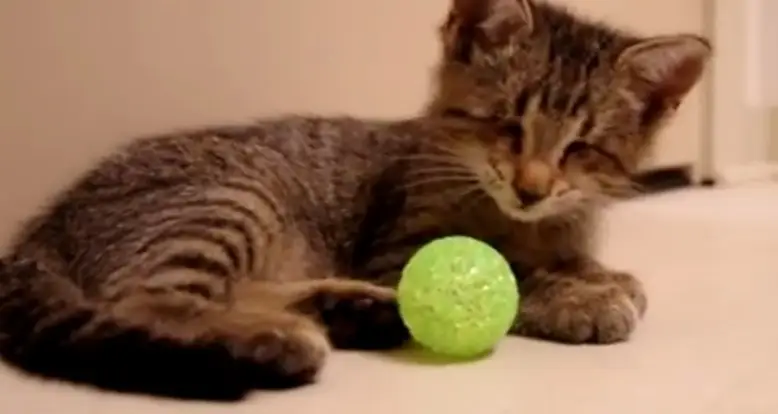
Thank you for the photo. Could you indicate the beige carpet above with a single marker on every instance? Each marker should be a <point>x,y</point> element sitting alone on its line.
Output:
<point>708,345</point>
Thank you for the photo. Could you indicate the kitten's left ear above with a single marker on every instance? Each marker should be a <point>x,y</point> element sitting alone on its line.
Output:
<point>667,67</point>
<point>485,22</point>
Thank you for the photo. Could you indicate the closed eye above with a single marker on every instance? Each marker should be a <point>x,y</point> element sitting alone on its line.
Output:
<point>573,148</point>
<point>591,154</point>
<point>516,132</point>
<point>456,113</point>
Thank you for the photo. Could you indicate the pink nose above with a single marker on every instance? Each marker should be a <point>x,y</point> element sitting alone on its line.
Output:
<point>535,176</point>
<point>536,180</point>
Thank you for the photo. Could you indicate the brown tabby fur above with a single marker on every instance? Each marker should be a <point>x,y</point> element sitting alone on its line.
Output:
<point>204,263</point>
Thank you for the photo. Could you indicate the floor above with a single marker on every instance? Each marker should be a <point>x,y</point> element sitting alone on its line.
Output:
<point>707,346</point>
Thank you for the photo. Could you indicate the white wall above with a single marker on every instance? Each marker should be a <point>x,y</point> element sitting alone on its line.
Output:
<point>774,138</point>
<point>80,76</point>
<point>740,133</point>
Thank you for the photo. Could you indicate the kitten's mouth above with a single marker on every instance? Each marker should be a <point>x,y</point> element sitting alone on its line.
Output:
<point>510,204</point>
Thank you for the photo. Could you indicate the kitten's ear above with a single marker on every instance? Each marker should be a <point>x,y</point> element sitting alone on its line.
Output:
<point>666,68</point>
<point>494,20</point>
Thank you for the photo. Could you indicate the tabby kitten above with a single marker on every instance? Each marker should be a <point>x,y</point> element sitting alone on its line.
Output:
<point>205,263</point>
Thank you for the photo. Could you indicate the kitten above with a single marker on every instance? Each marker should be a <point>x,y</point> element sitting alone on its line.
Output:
<point>204,263</point>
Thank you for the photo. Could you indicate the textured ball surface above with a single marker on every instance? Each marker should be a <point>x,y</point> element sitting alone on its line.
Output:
<point>458,296</point>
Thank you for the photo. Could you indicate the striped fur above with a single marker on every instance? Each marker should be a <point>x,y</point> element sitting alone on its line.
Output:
<point>583,102</point>
<point>205,263</point>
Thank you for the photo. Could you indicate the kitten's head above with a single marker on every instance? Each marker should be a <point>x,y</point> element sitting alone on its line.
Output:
<point>573,105</point>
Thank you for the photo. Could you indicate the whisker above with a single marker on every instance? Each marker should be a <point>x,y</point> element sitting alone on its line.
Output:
<point>461,192</point>
<point>450,149</point>
<point>426,156</point>
<point>472,196</point>
<point>442,179</point>
<point>633,188</point>
<point>446,153</point>
<point>452,194</point>
<point>452,170</point>
<point>418,162</point>
<point>617,187</point>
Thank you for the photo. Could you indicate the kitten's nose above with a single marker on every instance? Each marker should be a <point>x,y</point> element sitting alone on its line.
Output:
<point>532,182</point>
<point>529,198</point>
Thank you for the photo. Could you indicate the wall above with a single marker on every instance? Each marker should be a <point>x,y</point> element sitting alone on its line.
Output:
<point>773,145</point>
<point>79,77</point>
<point>740,133</point>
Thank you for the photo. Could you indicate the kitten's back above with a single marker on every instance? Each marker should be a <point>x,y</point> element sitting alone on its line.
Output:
<point>125,281</point>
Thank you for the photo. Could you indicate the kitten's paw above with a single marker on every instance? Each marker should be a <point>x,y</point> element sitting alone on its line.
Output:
<point>631,285</point>
<point>360,315</point>
<point>283,356</point>
<point>573,310</point>
<point>634,289</point>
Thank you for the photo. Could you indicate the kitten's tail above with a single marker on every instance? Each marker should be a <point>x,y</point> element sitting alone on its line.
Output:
<point>49,328</point>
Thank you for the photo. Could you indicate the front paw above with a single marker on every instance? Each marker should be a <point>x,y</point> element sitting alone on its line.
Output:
<point>360,315</point>
<point>598,309</point>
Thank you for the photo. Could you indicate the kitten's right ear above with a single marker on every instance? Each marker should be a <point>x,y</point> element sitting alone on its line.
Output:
<point>493,16</point>
<point>488,22</point>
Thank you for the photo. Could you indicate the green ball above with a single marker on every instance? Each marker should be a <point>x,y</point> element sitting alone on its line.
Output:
<point>458,296</point>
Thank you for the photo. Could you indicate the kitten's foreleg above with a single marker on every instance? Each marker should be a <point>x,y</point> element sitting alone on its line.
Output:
<point>582,303</point>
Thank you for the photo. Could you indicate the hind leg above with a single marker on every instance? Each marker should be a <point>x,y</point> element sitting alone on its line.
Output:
<point>356,314</point>
<point>266,346</point>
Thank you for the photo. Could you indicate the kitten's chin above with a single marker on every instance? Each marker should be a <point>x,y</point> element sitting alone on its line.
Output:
<point>545,210</point>
<point>528,215</point>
